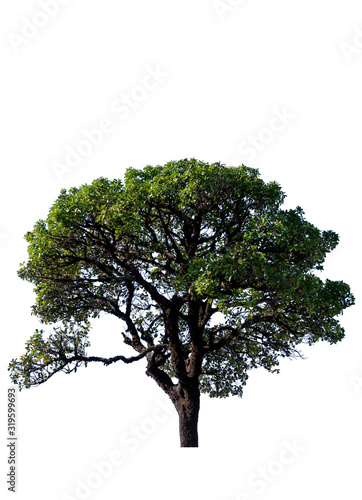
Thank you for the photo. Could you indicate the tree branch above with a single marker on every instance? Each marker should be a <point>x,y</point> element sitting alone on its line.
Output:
<point>108,361</point>
<point>235,331</point>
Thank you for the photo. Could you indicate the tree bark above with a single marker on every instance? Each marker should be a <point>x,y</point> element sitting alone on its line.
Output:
<point>187,408</point>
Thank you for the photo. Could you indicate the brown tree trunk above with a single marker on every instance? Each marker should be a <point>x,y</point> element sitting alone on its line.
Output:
<point>188,411</point>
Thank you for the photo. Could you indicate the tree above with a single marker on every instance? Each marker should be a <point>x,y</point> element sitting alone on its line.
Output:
<point>209,276</point>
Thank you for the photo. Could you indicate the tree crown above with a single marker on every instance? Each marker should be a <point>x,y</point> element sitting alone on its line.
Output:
<point>210,276</point>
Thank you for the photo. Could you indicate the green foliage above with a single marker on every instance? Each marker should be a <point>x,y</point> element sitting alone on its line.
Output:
<point>211,238</point>
<point>44,357</point>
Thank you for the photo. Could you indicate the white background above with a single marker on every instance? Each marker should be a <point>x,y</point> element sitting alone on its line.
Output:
<point>231,67</point>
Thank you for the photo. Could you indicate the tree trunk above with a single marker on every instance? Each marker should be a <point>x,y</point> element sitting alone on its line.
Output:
<point>188,411</point>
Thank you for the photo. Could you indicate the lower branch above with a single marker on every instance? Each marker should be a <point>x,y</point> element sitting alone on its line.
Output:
<point>61,352</point>
<point>108,361</point>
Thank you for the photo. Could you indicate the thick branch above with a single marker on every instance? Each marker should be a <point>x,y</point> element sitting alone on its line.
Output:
<point>160,377</point>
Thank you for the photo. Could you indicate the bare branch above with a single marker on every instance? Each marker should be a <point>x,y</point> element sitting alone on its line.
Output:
<point>108,361</point>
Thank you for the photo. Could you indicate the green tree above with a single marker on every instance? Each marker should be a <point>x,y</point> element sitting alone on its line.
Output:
<point>208,274</point>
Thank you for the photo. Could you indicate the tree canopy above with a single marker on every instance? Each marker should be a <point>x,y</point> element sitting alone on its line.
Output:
<point>207,272</point>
